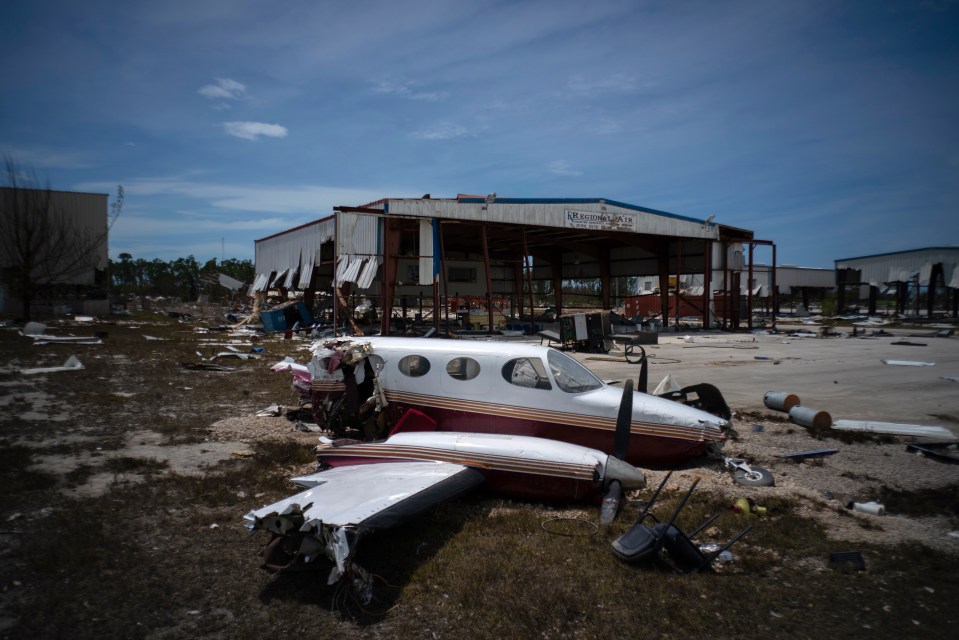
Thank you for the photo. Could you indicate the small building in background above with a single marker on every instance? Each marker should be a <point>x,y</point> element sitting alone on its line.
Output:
<point>70,274</point>
<point>915,282</point>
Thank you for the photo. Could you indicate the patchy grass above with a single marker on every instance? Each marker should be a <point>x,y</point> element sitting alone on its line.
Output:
<point>169,558</point>
<point>15,476</point>
<point>935,501</point>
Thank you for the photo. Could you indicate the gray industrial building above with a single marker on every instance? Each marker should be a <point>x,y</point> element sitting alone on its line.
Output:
<point>921,280</point>
<point>73,261</point>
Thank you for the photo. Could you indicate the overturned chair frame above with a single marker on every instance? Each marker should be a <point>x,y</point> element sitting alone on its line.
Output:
<point>644,541</point>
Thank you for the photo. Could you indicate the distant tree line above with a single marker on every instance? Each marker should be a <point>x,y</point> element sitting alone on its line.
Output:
<point>184,277</point>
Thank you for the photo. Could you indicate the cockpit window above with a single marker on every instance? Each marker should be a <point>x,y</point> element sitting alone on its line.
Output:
<point>526,372</point>
<point>570,375</point>
<point>463,368</point>
<point>414,366</point>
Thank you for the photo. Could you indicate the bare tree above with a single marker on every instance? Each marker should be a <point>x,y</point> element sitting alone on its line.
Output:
<point>42,242</point>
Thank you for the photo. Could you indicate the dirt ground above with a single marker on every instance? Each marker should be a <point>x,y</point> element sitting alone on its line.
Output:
<point>134,414</point>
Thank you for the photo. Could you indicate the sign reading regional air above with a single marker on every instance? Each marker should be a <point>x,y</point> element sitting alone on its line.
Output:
<point>600,221</point>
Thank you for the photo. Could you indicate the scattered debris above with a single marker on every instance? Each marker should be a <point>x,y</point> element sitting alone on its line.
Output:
<point>908,363</point>
<point>808,417</point>
<point>747,507</point>
<point>33,329</point>
<point>665,543</point>
<point>205,366</point>
<point>747,475</point>
<point>269,412</point>
<point>906,343</point>
<point>851,559</point>
<point>810,454</point>
<point>871,507</point>
<point>892,428</point>
<point>780,401</point>
<point>950,378</point>
<point>234,354</point>
<point>71,364</point>
<point>308,428</point>
<point>941,451</point>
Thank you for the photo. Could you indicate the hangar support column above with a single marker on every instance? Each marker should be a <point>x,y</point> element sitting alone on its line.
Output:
<point>662,263</point>
<point>391,248</point>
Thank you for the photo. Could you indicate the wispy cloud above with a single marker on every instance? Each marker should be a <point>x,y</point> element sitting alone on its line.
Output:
<point>223,89</point>
<point>605,126</point>
<point>312,200</point>
<point>406,89</point>
<point>43,157</point>
<point>562,168</point>
<point>441,131</point>
<point>254,130</point>
<point>617,82</point>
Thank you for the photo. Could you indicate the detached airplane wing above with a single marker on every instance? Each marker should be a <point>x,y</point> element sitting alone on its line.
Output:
<point>341,504</point>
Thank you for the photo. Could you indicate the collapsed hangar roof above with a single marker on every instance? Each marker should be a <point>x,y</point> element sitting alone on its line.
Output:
<point>541,227</point>
<point>583,225</point>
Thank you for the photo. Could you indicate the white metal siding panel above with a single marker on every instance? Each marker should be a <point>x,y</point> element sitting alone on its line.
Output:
<point>426,253</point>
<point>296,249</point>
<point>548,215</point>
<point>357,234</point>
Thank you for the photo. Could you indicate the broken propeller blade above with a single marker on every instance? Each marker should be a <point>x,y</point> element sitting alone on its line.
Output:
<point>610,508</point>
<point>642,384</point>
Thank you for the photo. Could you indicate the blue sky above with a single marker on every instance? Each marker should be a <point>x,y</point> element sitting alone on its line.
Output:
<point>831,128</point>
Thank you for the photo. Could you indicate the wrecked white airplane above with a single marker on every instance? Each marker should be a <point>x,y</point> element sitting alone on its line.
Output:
<point>368,384</point>
<point>364,487</point>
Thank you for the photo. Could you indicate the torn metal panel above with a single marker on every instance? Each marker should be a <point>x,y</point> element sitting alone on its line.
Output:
<point>339,505</point>
<point>368,272</point>
<point>908,363</point>
<point>72,364</point>
<point>893,428</point>
<point>812,453</point>
<point>947,452</point>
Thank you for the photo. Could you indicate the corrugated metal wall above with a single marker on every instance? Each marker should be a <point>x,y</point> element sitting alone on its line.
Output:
<point>292,254</point>
<point>553,214</point>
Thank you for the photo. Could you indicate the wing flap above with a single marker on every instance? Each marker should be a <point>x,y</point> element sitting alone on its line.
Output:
<point>372,496</point>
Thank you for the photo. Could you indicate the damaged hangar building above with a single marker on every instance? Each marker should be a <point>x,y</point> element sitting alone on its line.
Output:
<point>501,258</point>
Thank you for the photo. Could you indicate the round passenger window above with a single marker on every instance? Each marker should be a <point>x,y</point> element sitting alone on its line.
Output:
<point>414,366</point>
<point>463,368</point>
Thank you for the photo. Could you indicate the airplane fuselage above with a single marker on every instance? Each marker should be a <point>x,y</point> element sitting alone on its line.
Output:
<point>513,388</point>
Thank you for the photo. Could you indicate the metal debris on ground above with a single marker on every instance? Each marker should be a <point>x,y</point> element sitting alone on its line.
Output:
<point>906,343</point>
<point>892,428</point>
<point>205,366</point>
<point>947,452</point>
<point>908,363</point>
<point>809,417</point>
<point>871,507</point>
<point>850,559</point>
<point>308,428</point>
<point>780,401</point>
<point>269,412</point>
<point>810,454</point>
<point>73,363</point>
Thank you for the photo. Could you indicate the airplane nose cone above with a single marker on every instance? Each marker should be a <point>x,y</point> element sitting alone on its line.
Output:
<point>628,475</point>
